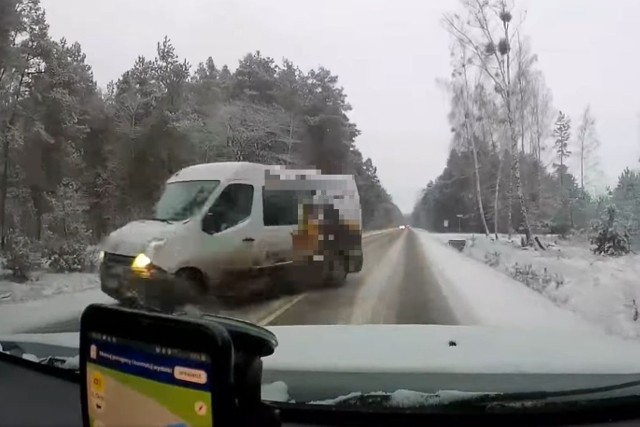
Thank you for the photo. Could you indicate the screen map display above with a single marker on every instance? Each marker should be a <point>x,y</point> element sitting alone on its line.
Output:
<point>131,383</point>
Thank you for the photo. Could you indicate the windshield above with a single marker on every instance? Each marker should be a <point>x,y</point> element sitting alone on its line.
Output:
<point>446,186</point>
<point>182,200</point>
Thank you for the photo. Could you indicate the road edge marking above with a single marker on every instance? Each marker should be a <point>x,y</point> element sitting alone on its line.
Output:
<point>277,313</point>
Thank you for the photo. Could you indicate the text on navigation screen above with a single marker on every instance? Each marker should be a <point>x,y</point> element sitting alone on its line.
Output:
<point>133,383</point>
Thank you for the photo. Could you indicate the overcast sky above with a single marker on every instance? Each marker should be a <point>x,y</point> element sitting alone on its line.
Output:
<point>387,55</point>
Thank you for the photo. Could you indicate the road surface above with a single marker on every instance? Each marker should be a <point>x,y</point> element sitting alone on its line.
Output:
<point>395,286</point>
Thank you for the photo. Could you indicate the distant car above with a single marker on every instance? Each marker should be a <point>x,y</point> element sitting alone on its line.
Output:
<point>402,227</point>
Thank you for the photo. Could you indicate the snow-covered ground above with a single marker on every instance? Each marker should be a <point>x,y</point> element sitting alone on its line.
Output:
<point>46,298</point>
<point>602,290</point>
<point>480,295</point>
<point>45,285</point>
<point>52,297</point>
<point>23,316</point>
<point>577,289</point>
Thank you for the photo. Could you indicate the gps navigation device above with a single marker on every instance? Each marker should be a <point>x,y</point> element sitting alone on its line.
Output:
<point>141,368</point>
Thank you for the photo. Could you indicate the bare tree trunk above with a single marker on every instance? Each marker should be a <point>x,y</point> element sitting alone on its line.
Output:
<point>538,140</point>
<point>518,183</point>
<point>521,90</point>
<point>571,214</point>
<point>290,139</point>
<point>4,189</point>
<point>496,200</point>
<point>514,143</point>
<point>582,164</point>
<point>510,199</point>
<point>6,160</point>
<point>471,138</point>
<point>478,186</point>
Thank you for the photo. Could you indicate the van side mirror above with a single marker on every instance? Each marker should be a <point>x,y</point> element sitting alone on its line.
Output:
<point>210,224</point>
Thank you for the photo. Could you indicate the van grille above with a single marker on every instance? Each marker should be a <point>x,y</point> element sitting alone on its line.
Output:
<point>117,259</point>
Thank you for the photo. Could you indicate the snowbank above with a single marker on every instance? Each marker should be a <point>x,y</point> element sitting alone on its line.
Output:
<point>45,285</point>
<point>404,398</point>
<point>599,289</point>
<point>480,295</point>
<point>23,316</point>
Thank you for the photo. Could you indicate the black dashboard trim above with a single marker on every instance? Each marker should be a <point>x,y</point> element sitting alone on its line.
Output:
<point>625,412</point>
<point>616,412</point>
<point>70,375</point>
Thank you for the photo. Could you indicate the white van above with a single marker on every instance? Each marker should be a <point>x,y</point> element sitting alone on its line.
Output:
<point>217,222</point>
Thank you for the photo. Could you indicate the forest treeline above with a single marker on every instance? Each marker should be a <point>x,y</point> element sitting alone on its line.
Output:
<point>78,160</point>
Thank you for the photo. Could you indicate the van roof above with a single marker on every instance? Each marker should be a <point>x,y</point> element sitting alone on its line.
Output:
<point>219,171</point>
<point>243,170</point>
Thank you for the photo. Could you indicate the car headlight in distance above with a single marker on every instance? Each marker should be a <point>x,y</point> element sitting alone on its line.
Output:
<point>141,261</point>
<point>402,227</point>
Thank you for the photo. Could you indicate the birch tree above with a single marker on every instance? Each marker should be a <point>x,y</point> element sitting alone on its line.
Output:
<point>541,115</point>
<point>464,118</point>
<point>588,145</point>
<point>524,83</point>
<point>486,30</point>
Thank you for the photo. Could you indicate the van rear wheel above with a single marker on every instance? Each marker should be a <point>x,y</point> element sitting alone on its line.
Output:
<point>335,273</point>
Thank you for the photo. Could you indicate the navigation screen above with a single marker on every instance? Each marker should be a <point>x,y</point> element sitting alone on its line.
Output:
<point>137,384</point>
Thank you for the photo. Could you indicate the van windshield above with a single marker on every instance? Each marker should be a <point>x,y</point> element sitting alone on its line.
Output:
<point>181,200</point>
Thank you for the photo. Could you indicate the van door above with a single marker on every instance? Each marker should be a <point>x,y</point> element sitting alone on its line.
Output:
<point>231,230</point>
<point>280,220</point>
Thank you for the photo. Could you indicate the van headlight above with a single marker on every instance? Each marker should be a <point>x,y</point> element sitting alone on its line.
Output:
<point>101,256</point>
<point>141,261</point>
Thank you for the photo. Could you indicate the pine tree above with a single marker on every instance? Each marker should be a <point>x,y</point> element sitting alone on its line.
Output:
<point>562,134</point>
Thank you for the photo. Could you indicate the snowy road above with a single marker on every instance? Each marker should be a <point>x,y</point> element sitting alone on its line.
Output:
<point>409,277</point>
<point>396,286</point>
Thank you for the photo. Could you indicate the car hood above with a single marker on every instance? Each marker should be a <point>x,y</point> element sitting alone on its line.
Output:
<point>323,362</point>
<point>135,237</point>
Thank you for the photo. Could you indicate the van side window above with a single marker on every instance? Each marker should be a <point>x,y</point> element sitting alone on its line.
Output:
<point>231,207</point>
<point>280,207</point>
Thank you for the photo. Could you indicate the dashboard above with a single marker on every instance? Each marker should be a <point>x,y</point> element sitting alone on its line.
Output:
<point>31,396</point>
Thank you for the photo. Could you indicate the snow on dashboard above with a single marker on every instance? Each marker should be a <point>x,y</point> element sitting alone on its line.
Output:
<point>405,398</point>
<point>449,349</point>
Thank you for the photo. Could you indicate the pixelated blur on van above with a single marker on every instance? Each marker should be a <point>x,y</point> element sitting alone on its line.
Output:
<point>219,223</point>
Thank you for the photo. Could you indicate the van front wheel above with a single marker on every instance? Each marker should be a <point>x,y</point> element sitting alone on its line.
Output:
<point>191,283</point>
